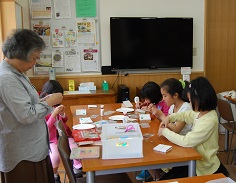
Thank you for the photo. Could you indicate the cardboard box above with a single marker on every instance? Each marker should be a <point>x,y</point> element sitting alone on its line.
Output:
<point>122,140</point>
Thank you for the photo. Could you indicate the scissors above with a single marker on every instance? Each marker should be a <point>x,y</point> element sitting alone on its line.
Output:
<point>130,128</point>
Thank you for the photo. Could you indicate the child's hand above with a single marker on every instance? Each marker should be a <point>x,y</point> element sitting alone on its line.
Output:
<point>165,122</point>
<point>58,110</point>
<point>152,109</point>
<point>62,108</point>
<point>160,131</point>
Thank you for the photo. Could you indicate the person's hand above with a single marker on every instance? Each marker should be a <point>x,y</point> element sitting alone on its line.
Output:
<point>145,108</point>
<point>153,109</point>
<point>58,110</point>
<point>160,131</point>
<point>54,99</point>
<point>165,122</point>
<point>137,105</point>
<point>63,108</point>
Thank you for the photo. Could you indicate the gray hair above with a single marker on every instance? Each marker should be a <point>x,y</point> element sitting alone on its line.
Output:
<point>21,44</point>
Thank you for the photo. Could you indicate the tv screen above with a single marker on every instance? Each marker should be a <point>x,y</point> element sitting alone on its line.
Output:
<point>151,43</point>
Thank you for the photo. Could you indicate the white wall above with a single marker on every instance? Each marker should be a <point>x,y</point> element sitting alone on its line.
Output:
<point>145,8</point>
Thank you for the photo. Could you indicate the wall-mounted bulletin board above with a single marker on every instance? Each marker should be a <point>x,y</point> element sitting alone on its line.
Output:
<point>70,29</point>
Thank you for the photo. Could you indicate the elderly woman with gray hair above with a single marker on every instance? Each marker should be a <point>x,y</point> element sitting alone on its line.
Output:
<point>24,145</point>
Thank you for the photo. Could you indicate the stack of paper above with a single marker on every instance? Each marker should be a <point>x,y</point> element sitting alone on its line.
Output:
<point>127,103</point>
<point>162,148</point>
<point>85,120</point>
<point>144,117</point>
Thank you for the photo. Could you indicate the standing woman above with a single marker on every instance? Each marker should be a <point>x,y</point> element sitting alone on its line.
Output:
<point>24,145</point>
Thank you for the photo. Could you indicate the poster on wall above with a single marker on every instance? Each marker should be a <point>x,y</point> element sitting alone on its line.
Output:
<point>72,61</point>
<point>86,8</point>
<point>86,32</point>
<point>57,58</point>
<point>90,60</point>
<point>45,62</point>
<point>43,30</point>
<point>70,37</point>
<point>41,9</point>
<point>58,38</point>
<point>62,9</point>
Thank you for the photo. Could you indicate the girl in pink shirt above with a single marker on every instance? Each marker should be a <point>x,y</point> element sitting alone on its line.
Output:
<point>53,86</point>
<point>151,93</point>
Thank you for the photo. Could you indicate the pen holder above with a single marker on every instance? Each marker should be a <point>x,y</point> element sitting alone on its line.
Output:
<point>105,86</point>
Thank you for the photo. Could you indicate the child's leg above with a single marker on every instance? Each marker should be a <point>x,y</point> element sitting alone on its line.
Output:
<point>55,157</point>
<point>76,162</point>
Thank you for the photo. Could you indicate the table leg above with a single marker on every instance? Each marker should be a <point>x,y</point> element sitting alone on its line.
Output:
<point>192,168</point>
<point>90,176</point>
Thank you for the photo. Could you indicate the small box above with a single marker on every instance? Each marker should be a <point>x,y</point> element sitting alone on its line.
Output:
<point>121,140</point>
<point>71,85</point>
<point>85,88</point>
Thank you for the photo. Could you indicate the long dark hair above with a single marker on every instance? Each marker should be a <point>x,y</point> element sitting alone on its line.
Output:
<point>151,91</point>
<point>173,86</point>
<point>51,86</point>
<point>202,94</point>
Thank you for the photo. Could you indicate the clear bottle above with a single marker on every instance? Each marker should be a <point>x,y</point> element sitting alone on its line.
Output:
<point>102,110</point>
<point>125,118</point>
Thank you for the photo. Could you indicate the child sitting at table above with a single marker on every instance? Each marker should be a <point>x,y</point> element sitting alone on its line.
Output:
<point>53,86</point>
<point>174,94</point>
<point>151,94</point>
<point>204,135</point>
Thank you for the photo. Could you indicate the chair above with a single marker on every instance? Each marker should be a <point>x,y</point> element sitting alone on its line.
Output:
<point>64,152</point>
<point>226,113</point>
<point>62,132</point>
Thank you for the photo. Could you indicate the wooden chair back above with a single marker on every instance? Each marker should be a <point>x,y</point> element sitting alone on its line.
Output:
<point>225,110</point>
<point>64,152</point>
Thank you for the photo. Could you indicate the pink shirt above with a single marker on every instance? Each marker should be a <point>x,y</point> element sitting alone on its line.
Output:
<point>53,129</point>
<point>163,107</point>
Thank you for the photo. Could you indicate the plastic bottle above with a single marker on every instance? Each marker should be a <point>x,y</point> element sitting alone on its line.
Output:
<point>125,118</point>
<point>102,110</point>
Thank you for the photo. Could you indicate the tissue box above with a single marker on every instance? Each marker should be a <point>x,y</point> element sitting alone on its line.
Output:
<point>85,88</point>
<point>121,140</point>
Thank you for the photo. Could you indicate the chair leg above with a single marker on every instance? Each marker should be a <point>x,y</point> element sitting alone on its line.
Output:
<point>226,140</point>
<point>65,177</point>
<point>229,149</point>
<point>63,171</point>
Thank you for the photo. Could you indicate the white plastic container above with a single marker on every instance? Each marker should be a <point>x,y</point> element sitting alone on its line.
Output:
<point>102,110</point>
<point>121,140</point>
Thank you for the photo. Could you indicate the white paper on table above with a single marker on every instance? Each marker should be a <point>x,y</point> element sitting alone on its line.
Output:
<point>80,112</point>
<point>127,103</point>
<point>144,117</point>
<point>85,120</point>
<point>162,148</point>
<point>221,180</point>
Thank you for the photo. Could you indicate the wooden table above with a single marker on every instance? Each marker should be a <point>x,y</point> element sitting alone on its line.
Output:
<point>196,179</point>
<point>95,97</point>
<point>178,156</point>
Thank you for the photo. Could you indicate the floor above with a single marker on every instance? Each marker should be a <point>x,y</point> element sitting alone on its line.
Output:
<point>222,155</point>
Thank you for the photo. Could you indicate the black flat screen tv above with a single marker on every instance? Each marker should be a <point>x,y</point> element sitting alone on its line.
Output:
<point>151,43</point>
